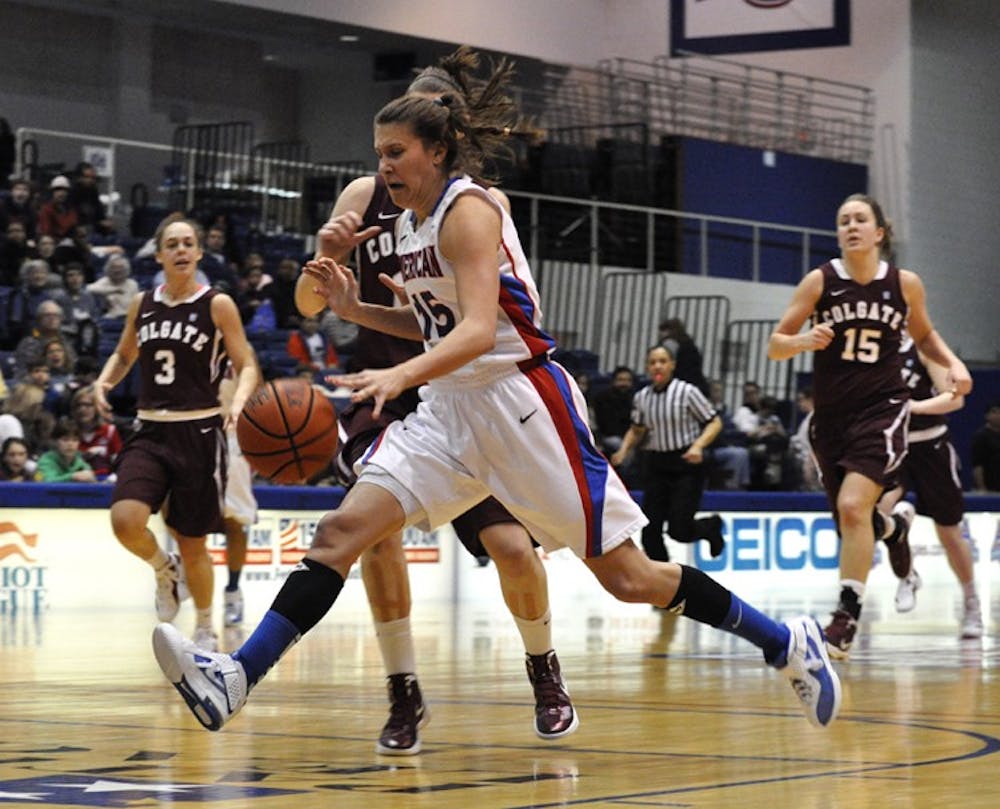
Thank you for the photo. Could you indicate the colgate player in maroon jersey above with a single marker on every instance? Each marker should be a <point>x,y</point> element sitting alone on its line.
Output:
<point>858,306</point>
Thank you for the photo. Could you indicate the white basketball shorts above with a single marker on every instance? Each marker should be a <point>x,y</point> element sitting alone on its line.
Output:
<point>522,437</point>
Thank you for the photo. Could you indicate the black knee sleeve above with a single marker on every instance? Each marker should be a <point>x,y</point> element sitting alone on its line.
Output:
<point>701,597</point>
<point>308,593</point>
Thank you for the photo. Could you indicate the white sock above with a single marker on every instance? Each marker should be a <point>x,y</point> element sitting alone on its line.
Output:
<point>203,618</point>
<point>159,559</point>
<point>395,641</point>
<point>536,634</point>
<point>969,590</point>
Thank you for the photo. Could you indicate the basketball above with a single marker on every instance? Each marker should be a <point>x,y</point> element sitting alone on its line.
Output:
<point>288,431</point>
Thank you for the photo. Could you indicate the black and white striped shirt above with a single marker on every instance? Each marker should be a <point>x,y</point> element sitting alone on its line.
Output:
<point>674,416</point>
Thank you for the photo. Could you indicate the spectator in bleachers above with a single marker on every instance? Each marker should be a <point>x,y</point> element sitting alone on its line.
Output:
<point>14,251</point>
<point>17,207</point>
<point>986,452</point>
<point>24,301</point>
<point>804,465</point>
<point>57,217</point>
<point>342,334</point>
<point>217,269</point>
<point>673,334</point>
<point>65,463</point>
<point>81,311</point>
<point>282,292</point>
<point>26,404</point>
<point>768,444</point>
<point>84,375</point>
<point>100,441</point>
<point>232,246</point>
<point>48,326</point>
<point>45,248</point>
<point>76,248</point>
<point>728,452</point>
<point>85,197</point>
<point>253,294</point>
<point>14,461</point>
<point>613,409</point>
<point>10,425</point>
<point>255,261</point>
<point>309,346</point>
<point>215,244</point>
<point>60,376</point>
<point>115,289</point>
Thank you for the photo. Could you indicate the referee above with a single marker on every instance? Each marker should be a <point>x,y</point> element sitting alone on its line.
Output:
<point>672,422</point>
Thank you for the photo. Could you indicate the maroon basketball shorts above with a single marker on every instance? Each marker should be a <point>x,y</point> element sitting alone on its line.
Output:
<point>931,471</point>
<point>180,466</point>
<point>871,442</point>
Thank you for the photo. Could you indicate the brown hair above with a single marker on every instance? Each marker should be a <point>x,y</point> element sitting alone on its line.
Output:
<point>176,216</point>
<point>473,117</point>
<point>880,220</point>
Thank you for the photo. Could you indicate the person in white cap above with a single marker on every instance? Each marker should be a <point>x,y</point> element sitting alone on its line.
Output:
<point>57,218</point>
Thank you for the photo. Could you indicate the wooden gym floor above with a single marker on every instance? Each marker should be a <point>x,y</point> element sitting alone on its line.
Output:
<point>673,714</point>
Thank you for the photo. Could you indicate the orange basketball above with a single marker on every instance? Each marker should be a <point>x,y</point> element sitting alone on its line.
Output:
<point>288,431</point>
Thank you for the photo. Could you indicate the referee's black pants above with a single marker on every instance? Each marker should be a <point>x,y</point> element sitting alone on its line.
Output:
<point>672,490</point>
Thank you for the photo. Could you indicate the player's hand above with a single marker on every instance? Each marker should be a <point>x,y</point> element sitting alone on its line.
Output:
<point>818,337</point>
<point>340,235</point>
<point>397,289</point>
<point>380,385</point>
<point>231,417</point>
<point>101,390</point>
<point>959,378</point>
<point>337,284</point>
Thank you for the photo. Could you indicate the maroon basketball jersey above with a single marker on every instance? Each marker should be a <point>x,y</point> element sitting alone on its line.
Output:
<point>181,353</point>
<point>375,349</point>
<point>862,365</point>
<point>918,380</point>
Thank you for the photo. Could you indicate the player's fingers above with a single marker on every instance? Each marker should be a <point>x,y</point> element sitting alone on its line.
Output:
<point>366,234</point>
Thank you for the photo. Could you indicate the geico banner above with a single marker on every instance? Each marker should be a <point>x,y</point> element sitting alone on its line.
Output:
<point>791,545</point>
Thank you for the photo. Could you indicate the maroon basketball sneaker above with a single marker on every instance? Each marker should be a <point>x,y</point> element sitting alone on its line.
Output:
<point>554,713</point>
<point>840,634</point>
<point>407,714</point>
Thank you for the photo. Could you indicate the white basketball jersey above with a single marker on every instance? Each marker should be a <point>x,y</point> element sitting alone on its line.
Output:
<point>429,279</point>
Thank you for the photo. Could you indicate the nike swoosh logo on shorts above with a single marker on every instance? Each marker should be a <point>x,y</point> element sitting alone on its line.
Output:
<point>523,419</point>
<point>895,401</point>
<point>205,430</point>
<point>385,216</point>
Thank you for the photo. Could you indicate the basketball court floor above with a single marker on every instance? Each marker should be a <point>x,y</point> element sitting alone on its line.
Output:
<point>673,714</point>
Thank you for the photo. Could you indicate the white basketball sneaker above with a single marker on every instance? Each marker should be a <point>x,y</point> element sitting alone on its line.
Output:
<point>213,685</point>
<point>171,588</point>
<point>906,591</point>
<point>232,608</point>
<point>972,619</point>
<point>810,672</point>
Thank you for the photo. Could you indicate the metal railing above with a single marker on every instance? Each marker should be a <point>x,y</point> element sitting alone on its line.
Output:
<point>712,98</point>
